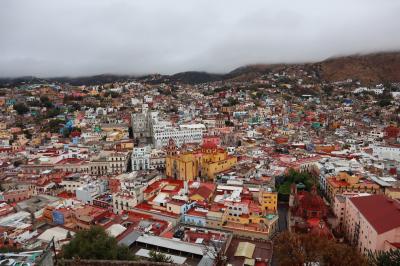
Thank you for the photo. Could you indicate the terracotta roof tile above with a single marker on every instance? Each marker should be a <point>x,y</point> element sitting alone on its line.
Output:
<point>381,212</point>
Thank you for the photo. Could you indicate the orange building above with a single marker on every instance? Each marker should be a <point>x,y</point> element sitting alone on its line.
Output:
<point>344,182</point>
<point>325,148</point>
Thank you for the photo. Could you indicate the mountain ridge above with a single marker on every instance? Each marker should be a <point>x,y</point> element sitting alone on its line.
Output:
<point>367,68</point>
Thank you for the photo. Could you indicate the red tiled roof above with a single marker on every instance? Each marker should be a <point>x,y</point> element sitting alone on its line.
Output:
<point>168,234</point>
<point>205,190</point>
<point>396,245</point>
<point>177,202</point>
<point>216,207</point>
<point>193,212</point>
<point>209,145</point>
<point>66,195</point>
<point>70,161</point>
<point>381,212</point>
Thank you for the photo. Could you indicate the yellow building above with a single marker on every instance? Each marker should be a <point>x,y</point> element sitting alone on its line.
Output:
<point>268,200</point>
<point>247,218</point>
<point>124,145</point>
<point>393,192</point>
<point>207,161</point>
<point>344,182</point>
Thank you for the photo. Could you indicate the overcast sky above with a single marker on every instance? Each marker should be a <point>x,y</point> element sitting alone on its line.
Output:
<point>85,37</point>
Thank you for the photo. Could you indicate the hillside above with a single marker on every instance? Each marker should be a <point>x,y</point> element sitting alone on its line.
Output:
<point>370,69</point>
<point>194,77</point>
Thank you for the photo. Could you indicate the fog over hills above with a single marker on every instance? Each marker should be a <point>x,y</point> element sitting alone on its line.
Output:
<point>370,69</point>
<point>47,38</point>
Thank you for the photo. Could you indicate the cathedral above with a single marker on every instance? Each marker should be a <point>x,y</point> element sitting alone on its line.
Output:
<point>204,162</point>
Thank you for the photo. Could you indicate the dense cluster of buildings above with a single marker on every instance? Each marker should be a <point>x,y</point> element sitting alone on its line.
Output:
<point>196,171</point>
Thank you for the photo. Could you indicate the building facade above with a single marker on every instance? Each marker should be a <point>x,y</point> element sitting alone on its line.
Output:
<point>207,162</point>
<point>372,223</point>
<point>183,134</point>
<point>146,158</point>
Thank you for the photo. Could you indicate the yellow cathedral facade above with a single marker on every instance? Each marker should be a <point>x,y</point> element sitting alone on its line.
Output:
<point>204,162</point>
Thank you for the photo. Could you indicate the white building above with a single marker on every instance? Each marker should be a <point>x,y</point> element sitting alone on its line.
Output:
<point>73,182</point>
<point>108,162</point>
<point>146,158</point>
<point>88,192</point>
<point>148,99</point>
<point>124,201</point>
<point>376,133</point>
<point>141,158</point>
<point>386,152</point>
<point>192,133</point>
<point>146,124</point>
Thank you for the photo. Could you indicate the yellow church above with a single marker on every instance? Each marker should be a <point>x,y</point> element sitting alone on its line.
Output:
<point>204,162</point>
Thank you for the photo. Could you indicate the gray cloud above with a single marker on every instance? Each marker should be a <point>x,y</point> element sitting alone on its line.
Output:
<point>84,37</point>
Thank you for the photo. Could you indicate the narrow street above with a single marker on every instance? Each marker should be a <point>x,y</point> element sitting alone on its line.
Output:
<point>282,223</point>
<point>282,212</point>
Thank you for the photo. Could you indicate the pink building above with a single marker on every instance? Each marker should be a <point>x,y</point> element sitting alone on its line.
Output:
<point>372,222</point>
<point>211,140</point>
<point>339,207</point>
<point>16,195</point>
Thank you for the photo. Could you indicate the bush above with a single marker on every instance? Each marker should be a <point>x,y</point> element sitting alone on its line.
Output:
<point>384,258</point>
<point>21,108</point>
<point>95,243</point>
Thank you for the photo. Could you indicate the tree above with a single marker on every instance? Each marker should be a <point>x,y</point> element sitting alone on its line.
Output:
<point>384,258</point>
<point>229,123</point>
<point>46,101</point>
<point>384,102</point>
<point>17,163</point>
<point>306,249</point>
<point>295,177</point>
<point>53,112</point>
<point>21,108</point>
<point>28,134</point>
<point>385,98</point>
<point>53,126</point>
<point>231,102</point>
<point>95,243</point>
<point>159,257</point>
<point>215,251</point>
<point>74,107</point>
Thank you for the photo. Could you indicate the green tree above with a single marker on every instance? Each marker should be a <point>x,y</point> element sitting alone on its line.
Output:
<point>384,258</point>
<point>17,163</point>
<point>53,112</point>
<point>46,101</point>
<point>74,107</point>
<point>159,257</point>
<point>231,102</point>
<point>54,125</point>
<point>21,108</point>
<point>229,123</point>
<point>95,243</point>
<point>295,177</point>
<point>384,102</point>
<point>28,134</point>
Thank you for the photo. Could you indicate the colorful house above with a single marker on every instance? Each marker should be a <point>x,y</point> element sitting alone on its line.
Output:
<point>268,200</point>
